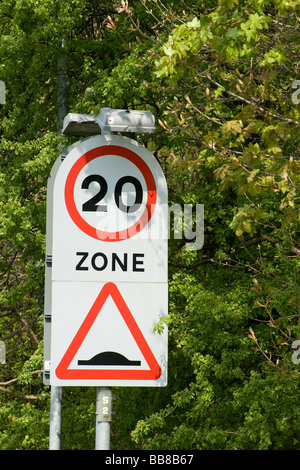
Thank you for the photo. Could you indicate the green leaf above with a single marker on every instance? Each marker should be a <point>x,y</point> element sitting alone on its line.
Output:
<point>232,127</point>
<point>274,56</point>
<point>232,33</point>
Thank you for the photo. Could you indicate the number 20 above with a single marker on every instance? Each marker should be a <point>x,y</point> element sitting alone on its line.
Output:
<point>91,204</point>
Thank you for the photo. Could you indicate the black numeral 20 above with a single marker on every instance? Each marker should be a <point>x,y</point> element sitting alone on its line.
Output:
<point>92,206</point>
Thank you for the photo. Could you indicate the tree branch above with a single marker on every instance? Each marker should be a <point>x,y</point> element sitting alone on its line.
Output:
<point>19,395</point>
<point>241,98</point>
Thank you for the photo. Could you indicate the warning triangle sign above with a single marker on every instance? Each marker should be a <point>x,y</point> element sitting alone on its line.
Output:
<point>123,372</point>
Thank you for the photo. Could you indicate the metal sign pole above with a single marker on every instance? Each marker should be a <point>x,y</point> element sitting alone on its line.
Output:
<point>55,418</point>
<point>103,418</point>
<point>62,110</point>
<point>103,408</point>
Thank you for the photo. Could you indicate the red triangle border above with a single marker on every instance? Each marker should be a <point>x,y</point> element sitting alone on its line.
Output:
<point>64,373</point>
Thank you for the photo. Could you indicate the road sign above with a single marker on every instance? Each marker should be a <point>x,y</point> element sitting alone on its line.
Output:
<point>114,339</point>
<point>112,190</point>
<point>107,245</point>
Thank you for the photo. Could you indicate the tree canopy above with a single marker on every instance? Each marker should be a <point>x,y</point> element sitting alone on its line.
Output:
<point>219,76</point>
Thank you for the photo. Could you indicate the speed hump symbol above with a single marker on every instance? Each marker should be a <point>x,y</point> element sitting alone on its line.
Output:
<point>110,193</point>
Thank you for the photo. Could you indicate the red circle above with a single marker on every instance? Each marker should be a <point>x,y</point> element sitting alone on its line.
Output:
<point>70,186</point>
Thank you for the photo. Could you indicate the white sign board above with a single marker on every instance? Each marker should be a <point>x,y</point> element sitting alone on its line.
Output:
<point>109,232</point>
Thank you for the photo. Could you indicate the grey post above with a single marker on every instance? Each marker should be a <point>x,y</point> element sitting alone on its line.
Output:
<point>62,110</point>
<point>103,418</point>
<point>103,408</point>
<point>55,418</point>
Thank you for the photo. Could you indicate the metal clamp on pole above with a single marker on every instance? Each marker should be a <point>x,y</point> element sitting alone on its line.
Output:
<point>103,418</point>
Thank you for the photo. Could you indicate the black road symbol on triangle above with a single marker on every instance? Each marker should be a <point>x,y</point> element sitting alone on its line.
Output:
<point>108,358</point>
